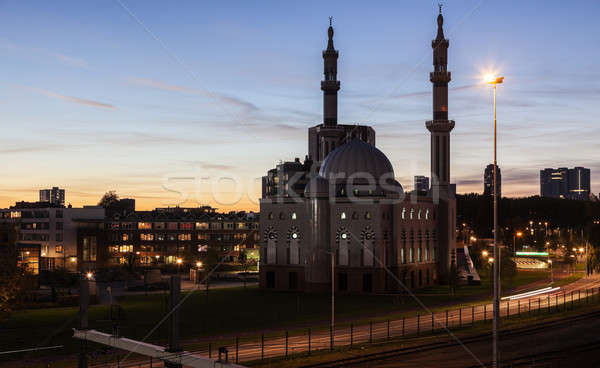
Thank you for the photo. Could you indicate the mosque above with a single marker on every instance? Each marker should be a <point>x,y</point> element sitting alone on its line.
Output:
<point>340,220</point>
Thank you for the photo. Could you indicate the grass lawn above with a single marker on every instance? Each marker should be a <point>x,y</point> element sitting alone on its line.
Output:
<point>224,312</point>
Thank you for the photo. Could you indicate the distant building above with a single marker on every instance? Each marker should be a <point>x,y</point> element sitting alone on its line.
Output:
<point>47,233</point>
<point>578,183</point>
<point>421,185</point>
<point>54,196</point>
<point>488,180</point>
<point>565,183</point>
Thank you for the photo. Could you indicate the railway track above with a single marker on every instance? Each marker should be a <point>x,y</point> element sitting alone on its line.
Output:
<point>518,362</point>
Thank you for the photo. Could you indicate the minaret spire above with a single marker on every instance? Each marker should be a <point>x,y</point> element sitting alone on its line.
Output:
<point>440,128</point>
<point>330,85</point>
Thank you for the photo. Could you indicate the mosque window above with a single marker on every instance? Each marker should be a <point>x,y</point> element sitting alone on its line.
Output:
<point>412,213</point>
<point>344,236</point>
<point>281,216</point>
<point>270,215</point>
<point>355,192</point>
<point>427,214</point>
<point>293,215</point>
<point>368,215</point>
<point>419,214</point>
<point>354,216</point>
<point>403,213</point>
<point>343,215</point>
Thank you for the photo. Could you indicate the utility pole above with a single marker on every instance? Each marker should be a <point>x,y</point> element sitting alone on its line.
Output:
<point>175,295</point>
<point>84,296</point>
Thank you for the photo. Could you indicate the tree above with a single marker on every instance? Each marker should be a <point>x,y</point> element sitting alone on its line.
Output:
<point>15,280</point>
<point>108,199</point>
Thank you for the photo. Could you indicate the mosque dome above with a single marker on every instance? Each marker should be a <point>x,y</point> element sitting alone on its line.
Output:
<point>358,159</point>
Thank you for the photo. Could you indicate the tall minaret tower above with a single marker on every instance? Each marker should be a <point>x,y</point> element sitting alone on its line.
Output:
<point>330,85</point>
<point>440,128</point>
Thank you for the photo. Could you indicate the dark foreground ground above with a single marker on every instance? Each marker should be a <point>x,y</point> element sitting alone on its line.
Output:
<point>570,344</point>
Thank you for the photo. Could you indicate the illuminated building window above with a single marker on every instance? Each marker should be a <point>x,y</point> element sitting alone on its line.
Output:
<point>368,215</point>
<point>125,237</point>
<point>187,236</point>
<point>343,215</point>
<point>201,225</point>
<point>125,248</point>
<point>403,213</point>
<point>412,213</point>
<point>186,226</point>
<point>144,226</point>
<point>58,249</point>
<point>293,215</point>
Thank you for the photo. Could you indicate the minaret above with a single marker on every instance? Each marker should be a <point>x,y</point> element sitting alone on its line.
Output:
<point>330,85</point>
<point>440,128</point>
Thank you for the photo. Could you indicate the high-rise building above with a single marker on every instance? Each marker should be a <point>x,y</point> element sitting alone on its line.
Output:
<point>421,185</point>
<point>578,183</point>
<point>565,183</point>
<point>488,180</point>
<point>54,196</point>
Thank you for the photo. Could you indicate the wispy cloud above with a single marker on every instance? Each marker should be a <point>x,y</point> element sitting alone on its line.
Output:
<point>77,100</point>
<point>71,60</point>
<point>220,97</point>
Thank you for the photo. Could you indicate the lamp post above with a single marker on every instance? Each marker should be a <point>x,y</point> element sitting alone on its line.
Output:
<point>515,235</point>
<point>494,81</point>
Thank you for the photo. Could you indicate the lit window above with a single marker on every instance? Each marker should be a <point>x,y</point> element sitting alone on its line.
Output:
<point>427,214</point>
<point>412,213</point>
<point>343,215</point>
<point>368,215</point>
<point>294,236</point>
<point>293,215</point>
<point>344,236</point>
<point>403,213</point>
<point>58,249</point>
<point>419,214</point>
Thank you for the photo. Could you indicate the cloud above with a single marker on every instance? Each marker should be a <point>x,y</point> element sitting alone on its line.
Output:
<point>77,100</point>
<point>31,148</point>
<point>426,93</point>
<point>71,61</point>
<point>223,98</point>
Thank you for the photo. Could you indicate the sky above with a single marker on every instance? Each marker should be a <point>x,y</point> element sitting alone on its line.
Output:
<point>191,102</point>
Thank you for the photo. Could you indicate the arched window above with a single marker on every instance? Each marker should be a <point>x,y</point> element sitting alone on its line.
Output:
<point>403,213</point>
<point>354,216</point>
<point>368,246</point>
<point>427,214</point>
<point>293,215</point>
<point>343,215</point>
<point>419,214</point>
<point>271,240</point>
<point>270,215</point>
<point>343,247</point>
<point>294,246</point>
<point>412,213</point>
<point>368,215</point>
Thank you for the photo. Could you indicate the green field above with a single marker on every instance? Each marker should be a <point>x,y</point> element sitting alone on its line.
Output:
<point>225,312</point>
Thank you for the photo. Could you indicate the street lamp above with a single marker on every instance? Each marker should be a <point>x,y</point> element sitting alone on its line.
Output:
<point>494,81</point>
<point>517,234</point>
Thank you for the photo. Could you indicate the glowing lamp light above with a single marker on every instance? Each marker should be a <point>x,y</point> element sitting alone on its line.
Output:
<point>179,261</point>
<point>157,256</point>
<point>89,275</point>
<point>484,253</point>
<point>581,250</point>
<point>519,234</point>
<point>491,260</point>
<point>198,264</point>
<point>73,259</point>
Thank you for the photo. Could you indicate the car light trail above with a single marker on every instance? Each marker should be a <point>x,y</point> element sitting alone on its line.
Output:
<point>531,293</point>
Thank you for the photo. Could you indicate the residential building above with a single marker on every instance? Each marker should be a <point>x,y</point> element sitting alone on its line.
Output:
<point>488,180</point>
<point>421,184</point>
<point>47,233</point>
<point>565,183</point>
<point>55,196</point>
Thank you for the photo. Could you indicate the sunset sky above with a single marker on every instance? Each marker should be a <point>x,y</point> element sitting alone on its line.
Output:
<point>172,102</point>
